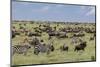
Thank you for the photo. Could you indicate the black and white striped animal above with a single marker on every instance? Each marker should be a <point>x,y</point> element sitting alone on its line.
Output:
<point>43,48</point>
<point>20,49</point>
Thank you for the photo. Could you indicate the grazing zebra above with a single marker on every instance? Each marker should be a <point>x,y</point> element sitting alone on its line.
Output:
<point>20,49</point>
<point>43,48</point>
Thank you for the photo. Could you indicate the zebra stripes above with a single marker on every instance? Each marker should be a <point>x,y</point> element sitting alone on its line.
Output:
<point>43,48</point>
<point>20,49</point>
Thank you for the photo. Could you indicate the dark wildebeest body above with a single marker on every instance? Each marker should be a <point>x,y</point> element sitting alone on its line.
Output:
<point>57,34</point>
<point>20,49</point>
<point>88,30</point>
<point>81,46</point>
<point>33,34</point>
<point>91,38</point>
<point>79,35</point>
<point>13,34</point>
<point>62,35</point>
<point>53,33</point>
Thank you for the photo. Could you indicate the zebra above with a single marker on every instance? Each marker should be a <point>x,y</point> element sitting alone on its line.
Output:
<point>20,49</point>
<point>43,48</point>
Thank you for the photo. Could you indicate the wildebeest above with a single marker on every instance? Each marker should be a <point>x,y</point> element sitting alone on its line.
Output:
<point>94,34</point>
<point>81,46</point>
<point>62,35</point>
<point>70,30</point>
<point>78,34</point>
<point>20,49</point>
<point>53,33</point>
<point>30,34</point>
<point>57,34</point>
<point>89,30</point>
<point>91,38</point>
<point>14,33</point>
<point>46,29</point>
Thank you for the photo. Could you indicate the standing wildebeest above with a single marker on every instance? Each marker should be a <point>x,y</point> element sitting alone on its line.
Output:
<point>91,38</point>
<point>13,34</point>
<point>20,49</point>
<point>30,34</point>
<point>81,46</point>
<point>79,35</point>
<point>62,35</point>
<point>94,34</point>
<point>53,33</point>
<point>89,30</point>
<point>64,48</point>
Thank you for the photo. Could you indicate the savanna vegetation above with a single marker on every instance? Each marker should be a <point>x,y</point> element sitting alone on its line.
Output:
<point>52,42</point>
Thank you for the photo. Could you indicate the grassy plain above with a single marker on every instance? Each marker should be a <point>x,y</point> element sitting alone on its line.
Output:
<point>57,56</point>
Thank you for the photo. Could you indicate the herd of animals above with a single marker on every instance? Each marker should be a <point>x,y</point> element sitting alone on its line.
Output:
<point>32,37</point>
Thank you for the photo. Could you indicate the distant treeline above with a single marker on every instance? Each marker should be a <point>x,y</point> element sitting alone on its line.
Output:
<point>52,22</point>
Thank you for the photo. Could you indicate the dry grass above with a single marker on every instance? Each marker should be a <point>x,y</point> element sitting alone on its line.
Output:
<point>57,56</point>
